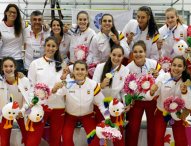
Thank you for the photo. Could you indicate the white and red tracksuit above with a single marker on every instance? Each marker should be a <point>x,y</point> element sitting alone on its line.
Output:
<point>147,104</point>
<point>116,91</point>
<point>166,90</point>
<point>43,71</point>
<point>20,90</point>
<point>79,107</point>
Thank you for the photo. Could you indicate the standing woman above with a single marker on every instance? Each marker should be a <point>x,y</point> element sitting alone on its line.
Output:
<point>11,30</point>
<point>102,42</point>
<point>175,87</point>
<point>144,28</point>
<point>63,38</point>
<point>46,70</point>
<point>112,87</point>
<point>20,89</point>
<point>80,34</point>
<point>140,66</point>
<point>177,29</point>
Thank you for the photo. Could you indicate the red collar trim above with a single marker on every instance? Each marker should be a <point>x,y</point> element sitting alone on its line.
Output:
<point>8,25</point>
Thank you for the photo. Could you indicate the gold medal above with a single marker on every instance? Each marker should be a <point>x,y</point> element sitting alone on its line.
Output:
<point>131,33</point>
<point>63,65</point>
<point>109,75</point>
<point>152,70</point>
<point>64,83</point>
<point>188,82</point>
<point>70,26</point>
<point>110,34</point>
<point>163,41</point>
<point>159,83</point>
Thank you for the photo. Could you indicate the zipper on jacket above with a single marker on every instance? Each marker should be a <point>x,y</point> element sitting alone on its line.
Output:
<point>80,99</point>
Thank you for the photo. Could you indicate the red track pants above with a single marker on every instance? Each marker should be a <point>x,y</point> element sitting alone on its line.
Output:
<point>179,131</point>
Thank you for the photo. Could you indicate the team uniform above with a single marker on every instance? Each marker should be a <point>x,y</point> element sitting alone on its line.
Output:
<point>34,45</point>
<point>147,104</point>
<point>116,91</point>
<point>152,50</point>
<point>12,46</point>
<point>79,107</point>
<point>172,88</point>
<point>100,48</point>
<point>20,90</point>
<point>64,46</point>
<point>80,38</point>
<point>179,32</point>
<point>43,71</point>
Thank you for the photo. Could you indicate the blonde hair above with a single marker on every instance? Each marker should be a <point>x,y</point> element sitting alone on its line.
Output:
<point>176,13</point>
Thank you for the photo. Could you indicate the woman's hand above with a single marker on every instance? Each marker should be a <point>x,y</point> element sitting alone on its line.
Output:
<point>129,39</point>
<point>183,87</point>
<point>184,114</point>
<point>114,38</point>
<point>155,74</point>
<point>159,44</point>
<point>46,27</point>
<point>154,88</point>
<point>20,75</point>
<point>105,82</point>
<point>188,50</point>
<point>65,72</point>
<point>66,28</point>
<point>126,109</point>
<point>20,115</point>
<point>57,86</point>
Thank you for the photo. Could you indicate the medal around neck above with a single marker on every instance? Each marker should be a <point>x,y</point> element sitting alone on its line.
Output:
<point>131,33</point>
<point>109,75</point>
<point>63,65</point>
<point>159,84</point>
<point>64,83</point>
<point>70,26</point>
<point>188,83</point>
<point>152,70</point>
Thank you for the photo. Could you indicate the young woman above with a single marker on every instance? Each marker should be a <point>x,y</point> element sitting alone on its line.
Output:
<point>179,30</point>
<point>140,66</point>
<point>80,96</point>
<point>46,70</point>
<point>20,89</point>
<point>11,30</point>
<point>112,87</point>
<point>102,42</point>
<point>175,86</point>
<point>63,38</point>
<point>80,34</point>
<point>144,28</point>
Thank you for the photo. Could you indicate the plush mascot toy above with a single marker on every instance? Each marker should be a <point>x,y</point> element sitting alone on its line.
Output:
<point>179,47</point>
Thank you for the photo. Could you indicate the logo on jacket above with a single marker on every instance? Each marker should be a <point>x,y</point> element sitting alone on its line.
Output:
<point>120,78</point>
<point>71,91</point>
<point>26,89</point>
<point>19,90</point>
<point>88,91</point>
<point>181,35</point>
<point>86,39</point>
<point>147,37</point>
<point>64,45</point>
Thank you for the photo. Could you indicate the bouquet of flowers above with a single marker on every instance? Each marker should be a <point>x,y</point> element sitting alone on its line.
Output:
<point>111,133</point>
<point>81,52</point>
<point>173,107</point>
<point>91,69</point>
<point>188,58</point>
<point>165,63</point>
<point>131,86</point>
<point>145,82</point>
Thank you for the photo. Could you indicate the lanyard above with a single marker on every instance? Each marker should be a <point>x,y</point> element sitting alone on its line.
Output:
<point>56,61</point>
<point>72,83</point>
<point>8,76</point>
<point>169,32</point>
<point>107,37</point>
<point>138,30</point>
<point>78,29</point>
<point>172,79</point>
<point>40,39</point>
<point>112,71</point>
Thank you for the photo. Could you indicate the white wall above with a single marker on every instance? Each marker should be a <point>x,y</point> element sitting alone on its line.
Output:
<point>161,7</point>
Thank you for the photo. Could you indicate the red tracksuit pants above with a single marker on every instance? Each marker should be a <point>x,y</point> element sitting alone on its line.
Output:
<point>6,133</point>
<point>56,122</point>
<point>88,122</point>
<point>100,118</point>
<point>135,116</point>
<point>179,131</point>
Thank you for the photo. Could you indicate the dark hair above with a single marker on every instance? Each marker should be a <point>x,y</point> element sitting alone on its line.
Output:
<point>61,26</point>
<point>152,27</point>
<point>176,13</point>
<point>18,21</point>
<point>113,29</point>
<point>108,65</point>
<point>81,62</point>
<point>15,64</point>
<point>140,43</point>
<point>36,13</point>
<point>185,73</point>
<point>82,12</point>
<point>57,55</point>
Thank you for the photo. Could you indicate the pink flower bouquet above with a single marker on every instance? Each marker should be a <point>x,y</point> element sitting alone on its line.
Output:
<point>42,91</point>
<point>146,81</point>
<point>165,63</point>
<point>81,52</point>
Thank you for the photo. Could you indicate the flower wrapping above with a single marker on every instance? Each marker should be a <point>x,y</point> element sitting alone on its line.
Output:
<point>145,83</point>
<point>42,91</point>
<point>131,84</point>
<point>111,133</point>
<point>165,63</point>
<point>81,52</point>
<point>173,105</point>
<point>91,68</point>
